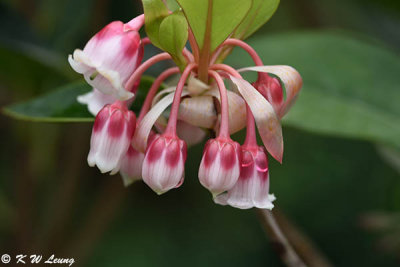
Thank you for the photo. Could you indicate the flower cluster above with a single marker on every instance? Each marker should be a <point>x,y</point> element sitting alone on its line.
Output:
<point>153,147</point>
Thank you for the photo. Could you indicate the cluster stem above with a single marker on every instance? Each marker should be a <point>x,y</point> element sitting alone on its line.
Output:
<point>173,117</point>
<point>142,68</point>
<point>224,126</point>
<point>153,90</point>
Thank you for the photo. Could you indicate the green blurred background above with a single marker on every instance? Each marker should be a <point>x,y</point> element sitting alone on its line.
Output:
<point>340,186</point>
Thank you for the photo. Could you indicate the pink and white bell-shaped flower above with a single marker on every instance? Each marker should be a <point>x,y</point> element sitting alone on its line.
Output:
<point>164,163</point>
<point>252,188</point>
<point>110,57</point>
<point>112,133</point>
<point>131,166</point>
<point>220,166</point>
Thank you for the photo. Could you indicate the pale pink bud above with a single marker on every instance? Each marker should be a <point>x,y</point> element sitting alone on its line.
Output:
<point>271,89</point>
<point>111,136</point>
<point>164,163</point>
<point>109,59</point>
<point>131,166</point>
<point>220,166</point>
<point>252,188</point>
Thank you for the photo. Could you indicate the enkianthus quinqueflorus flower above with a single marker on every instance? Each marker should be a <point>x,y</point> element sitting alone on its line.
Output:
<point>252,187</point>
<point>164,163</point>
<point>220,166</point>
<point>111,136</point>
<point>154,148</point>
<point>109,59</point>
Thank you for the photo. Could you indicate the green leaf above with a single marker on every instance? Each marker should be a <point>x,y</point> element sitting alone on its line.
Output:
<point>154,13</point>
<point>173,36</point>
<point>172,5</point>
<point>261,11</point>
<point>61,105</point>
<point>224,15</point>
<point>350,89</point>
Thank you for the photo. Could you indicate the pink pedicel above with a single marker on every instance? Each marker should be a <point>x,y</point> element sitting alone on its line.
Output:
<point>111,137</point>
<point>271,89</point>
<point>164,161</point>
<point>109,59</point>
<point>252,188</point>
<point>220,166</point>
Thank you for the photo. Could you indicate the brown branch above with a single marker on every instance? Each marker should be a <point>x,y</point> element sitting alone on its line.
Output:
<point>294,248</point>
<point>279,241</point>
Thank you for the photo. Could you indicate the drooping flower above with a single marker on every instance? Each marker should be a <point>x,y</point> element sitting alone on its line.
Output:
<point>252,188</point>
<point>220,165</point>
<point>163,165</point>
<point>111,136</point>
<point>110,57</point>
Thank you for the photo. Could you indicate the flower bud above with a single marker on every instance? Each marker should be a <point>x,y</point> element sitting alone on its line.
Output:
<point>109,58</point>
<point>220,165</point>
<point>252,188</point>
<point>111,136</point>
<point>164,163</point>
<point>271,89</point>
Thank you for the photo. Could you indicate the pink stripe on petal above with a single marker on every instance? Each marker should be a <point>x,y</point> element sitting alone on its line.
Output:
<point>173,154</point>
<point>210,152</point>
<point>101,119</point>
<point>155,149</point>
<point>228,156</point>
<point>116,125</point>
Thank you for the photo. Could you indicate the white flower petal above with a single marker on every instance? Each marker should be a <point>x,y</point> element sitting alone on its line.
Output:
<point>267,121</point>
<point>95,100</point>
<point>79,67</point>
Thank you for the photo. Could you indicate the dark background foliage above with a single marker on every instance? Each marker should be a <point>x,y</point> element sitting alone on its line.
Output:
<point>342,191</point>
